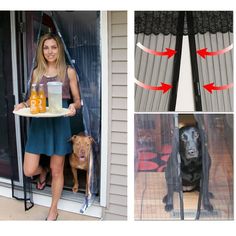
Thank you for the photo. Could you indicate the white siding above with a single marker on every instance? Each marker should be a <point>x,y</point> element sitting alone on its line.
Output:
<point>117,167</point>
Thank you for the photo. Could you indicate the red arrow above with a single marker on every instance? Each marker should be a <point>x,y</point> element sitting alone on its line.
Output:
<point>169,52</point>
<point>203,52</point>
<point>210,87</point>
<point>164,87</point>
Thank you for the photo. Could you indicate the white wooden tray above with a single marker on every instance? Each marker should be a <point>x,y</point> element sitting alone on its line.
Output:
<point>26,112</point>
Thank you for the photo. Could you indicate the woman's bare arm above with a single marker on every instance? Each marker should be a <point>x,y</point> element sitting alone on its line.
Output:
<point>74,90</point>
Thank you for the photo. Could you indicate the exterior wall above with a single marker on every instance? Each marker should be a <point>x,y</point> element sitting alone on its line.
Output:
<point>117,154</point>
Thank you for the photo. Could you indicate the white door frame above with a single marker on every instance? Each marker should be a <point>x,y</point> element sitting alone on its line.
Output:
<point>104,107</point>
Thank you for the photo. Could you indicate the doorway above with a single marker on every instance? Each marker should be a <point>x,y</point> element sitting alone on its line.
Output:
<point>81,34</point>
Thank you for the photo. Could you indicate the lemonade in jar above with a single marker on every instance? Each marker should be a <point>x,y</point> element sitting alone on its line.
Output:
<point>55,97</point>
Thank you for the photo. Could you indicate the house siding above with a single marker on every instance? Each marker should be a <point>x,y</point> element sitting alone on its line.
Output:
<point>116,208</point>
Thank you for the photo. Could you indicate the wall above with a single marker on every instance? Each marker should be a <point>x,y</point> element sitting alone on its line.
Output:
<point>117,154</point>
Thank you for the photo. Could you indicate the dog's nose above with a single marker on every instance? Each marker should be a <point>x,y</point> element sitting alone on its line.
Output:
<point>191,151</point>
<point>82,152</point>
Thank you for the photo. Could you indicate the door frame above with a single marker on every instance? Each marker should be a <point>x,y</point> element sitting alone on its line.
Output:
<point>104,106</point>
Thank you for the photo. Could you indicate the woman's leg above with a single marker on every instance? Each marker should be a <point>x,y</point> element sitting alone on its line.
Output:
<point>32,167</point>
<point>57,168</point>
<point>31,164</point>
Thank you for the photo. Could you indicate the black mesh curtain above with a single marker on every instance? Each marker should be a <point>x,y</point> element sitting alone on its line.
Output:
<point>160,30</point>
<point>158,166</point>
<point>80,31</point>
<point>217,130</point>
<point>157,31</point>
<point>156,159</point>
<point>212,30</point>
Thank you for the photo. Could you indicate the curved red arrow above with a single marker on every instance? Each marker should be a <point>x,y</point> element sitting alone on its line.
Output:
<point>164,87</point>
<point>203,52</point>
<point>169,52</point>
<point>210,87</point>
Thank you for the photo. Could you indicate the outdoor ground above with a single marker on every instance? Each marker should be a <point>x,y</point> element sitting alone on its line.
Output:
<point>11,209</point>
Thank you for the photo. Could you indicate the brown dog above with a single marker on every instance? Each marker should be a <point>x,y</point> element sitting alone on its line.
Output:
<point>82,158</point>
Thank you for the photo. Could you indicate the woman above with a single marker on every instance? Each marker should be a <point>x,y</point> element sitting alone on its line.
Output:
<point>50,136</point>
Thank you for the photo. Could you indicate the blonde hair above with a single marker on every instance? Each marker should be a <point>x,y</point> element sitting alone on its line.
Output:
<point>41,63</point>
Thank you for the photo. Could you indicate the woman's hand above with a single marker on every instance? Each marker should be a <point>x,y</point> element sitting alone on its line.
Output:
<point>19,106</point>
<point>72,110</point>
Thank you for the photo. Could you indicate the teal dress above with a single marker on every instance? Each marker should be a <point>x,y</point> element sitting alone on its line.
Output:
<point>50,136</point>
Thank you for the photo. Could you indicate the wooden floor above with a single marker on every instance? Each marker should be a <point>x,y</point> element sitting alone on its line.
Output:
<point>150,188</point>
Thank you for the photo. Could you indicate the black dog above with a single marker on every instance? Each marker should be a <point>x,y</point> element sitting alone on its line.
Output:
<point>191,168</point>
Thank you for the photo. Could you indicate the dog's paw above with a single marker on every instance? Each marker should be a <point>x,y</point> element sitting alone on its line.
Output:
<point>164,200</point>
<point>168,207</point>
<point>208,206</point>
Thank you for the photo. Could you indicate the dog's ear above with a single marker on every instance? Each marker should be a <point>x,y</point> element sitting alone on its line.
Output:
<point>72,138</point>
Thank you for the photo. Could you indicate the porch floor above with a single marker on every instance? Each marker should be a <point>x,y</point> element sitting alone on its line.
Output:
<point>12,209</point>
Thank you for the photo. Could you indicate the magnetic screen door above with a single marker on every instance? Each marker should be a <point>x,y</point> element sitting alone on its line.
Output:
<point>80,31</point>
<point>157,31</point>
<point>213,30</point>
